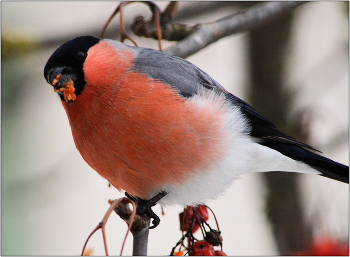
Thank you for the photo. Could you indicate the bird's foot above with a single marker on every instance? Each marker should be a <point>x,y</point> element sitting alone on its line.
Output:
<point>145,206</point>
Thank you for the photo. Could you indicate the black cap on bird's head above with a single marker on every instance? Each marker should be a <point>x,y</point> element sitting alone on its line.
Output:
<point>65,66</point>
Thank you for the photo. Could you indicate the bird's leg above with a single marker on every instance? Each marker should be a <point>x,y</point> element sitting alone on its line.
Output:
<point>145,206</point>
<point>130,197</point>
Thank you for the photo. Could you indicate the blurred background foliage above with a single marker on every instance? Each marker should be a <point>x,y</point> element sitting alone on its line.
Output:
<point>12,48</point>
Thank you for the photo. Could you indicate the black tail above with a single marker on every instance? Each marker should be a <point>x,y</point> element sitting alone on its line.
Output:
<point>327,167</point>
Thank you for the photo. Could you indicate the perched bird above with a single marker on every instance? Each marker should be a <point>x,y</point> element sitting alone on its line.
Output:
<point>152,123</point>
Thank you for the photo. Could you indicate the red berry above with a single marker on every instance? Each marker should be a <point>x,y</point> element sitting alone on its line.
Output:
<point>202,248</point>
<point>203,211</point>
<point>189,214</point>
<point>326,247</point>
<point>220,253</point>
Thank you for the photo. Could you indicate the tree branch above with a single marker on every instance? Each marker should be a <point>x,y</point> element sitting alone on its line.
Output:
<point>208,33</point>
<point>139,228</point>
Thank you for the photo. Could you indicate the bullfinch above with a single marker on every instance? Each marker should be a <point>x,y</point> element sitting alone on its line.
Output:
<point>153,123</point>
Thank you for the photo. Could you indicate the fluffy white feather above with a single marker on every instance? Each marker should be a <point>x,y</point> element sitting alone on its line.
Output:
<point>242,155</point>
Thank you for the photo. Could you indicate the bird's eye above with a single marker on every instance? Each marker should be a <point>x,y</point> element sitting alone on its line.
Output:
<point>80,55</point>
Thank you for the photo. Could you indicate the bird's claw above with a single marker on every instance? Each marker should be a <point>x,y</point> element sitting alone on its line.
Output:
<point>145,206</point>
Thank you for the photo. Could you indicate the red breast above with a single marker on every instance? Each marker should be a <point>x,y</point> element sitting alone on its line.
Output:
<point>137,132</point>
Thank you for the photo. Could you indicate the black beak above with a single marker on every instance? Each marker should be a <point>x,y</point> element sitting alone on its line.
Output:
<point>59,76</point>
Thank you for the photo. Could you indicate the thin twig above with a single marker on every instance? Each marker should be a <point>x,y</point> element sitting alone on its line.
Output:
<point>123,35</point>
<point>87,240</point>
<point>139,228</point>
<point>102,224</point>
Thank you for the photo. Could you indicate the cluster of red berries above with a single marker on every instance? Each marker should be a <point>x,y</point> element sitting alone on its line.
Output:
<point>192,219</point>
<point>204,248</point>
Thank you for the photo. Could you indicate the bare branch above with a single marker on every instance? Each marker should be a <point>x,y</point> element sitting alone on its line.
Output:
<point>139,228</point>
<point>170,31</point>
<point>253,17</point>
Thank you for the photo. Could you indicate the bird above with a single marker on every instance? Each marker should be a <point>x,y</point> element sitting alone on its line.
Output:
<point>158,127</point>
